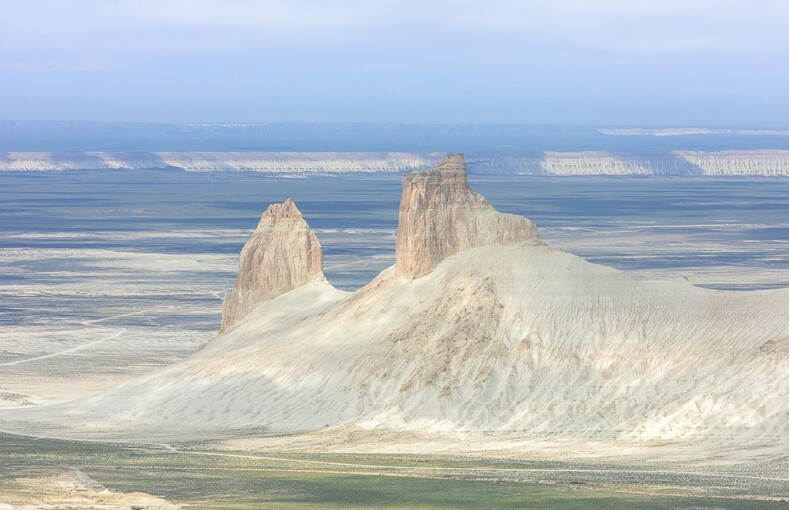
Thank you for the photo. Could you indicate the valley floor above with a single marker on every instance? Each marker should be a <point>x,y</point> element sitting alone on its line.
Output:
<point>47,473</point>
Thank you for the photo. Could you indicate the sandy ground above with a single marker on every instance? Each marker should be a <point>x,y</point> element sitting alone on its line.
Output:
<point>71,488</point>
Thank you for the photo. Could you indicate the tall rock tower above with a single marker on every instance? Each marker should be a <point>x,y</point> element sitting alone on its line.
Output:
<point>440,216</point>
<point>282,254</point>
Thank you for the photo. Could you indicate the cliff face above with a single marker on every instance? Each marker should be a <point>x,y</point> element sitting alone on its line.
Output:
<point>226,161</point>
<point>282,254</point>
<point>685,163</point>
<point>766,162</point>
<point>440,216</point>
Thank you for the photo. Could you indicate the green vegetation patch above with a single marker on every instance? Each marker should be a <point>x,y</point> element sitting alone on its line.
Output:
<point>238,481</point>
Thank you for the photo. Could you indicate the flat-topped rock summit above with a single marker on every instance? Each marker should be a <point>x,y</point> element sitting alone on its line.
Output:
<point>282,254</point>
<point>440,215</point>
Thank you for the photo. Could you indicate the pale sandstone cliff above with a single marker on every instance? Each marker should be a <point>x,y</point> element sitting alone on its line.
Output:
<point>282,254</point>
<point>440,216</point>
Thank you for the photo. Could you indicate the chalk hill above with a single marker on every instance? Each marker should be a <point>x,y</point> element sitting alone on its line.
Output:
<point>480,328</point>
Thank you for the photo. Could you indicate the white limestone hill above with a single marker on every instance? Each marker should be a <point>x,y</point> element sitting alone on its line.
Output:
<point>480,331</point>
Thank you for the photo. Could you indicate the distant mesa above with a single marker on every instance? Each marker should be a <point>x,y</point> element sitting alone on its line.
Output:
<point>762,162</point>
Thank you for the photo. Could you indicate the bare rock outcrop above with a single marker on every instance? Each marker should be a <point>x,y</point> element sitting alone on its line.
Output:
<point>440,216</point>
<point>282,254</point>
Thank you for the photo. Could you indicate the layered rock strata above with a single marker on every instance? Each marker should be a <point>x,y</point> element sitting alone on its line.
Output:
<point>282,254</point>
<point>440,216</point>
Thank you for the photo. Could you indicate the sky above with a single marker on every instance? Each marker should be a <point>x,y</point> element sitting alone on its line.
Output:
<point>602,63</point>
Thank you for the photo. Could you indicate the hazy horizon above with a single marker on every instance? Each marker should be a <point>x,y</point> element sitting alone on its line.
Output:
<point>613,63</point>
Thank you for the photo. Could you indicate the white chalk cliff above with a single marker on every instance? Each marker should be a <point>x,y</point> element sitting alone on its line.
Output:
<point>760,162</point>
<point>478,329</point>
<point>299,163</point>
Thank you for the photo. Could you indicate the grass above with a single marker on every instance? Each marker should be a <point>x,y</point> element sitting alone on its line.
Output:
<point>200,480</point>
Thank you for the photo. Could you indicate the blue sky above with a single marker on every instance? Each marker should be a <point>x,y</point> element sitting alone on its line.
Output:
<point>666,63</point>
